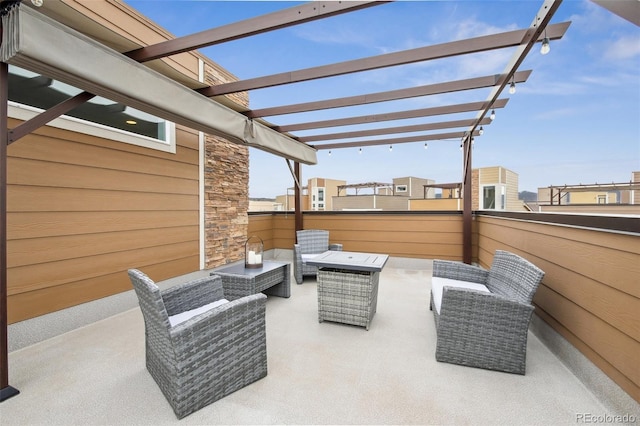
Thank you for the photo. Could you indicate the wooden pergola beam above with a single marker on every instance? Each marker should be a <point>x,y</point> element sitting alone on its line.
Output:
<point>395,141</point>
<point>392,130</point>
<point>426,53</point>
<point>401,115</point>
<point>249,27</point>
<point>391,95</point>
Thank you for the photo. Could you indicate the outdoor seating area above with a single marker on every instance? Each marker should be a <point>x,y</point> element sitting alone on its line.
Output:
<point>318,373</point>
<point>140,284</point>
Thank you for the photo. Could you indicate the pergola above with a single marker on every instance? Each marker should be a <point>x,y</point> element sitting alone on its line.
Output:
<point>237,123</point>
<point>561,191</point>
<point>368,185</point>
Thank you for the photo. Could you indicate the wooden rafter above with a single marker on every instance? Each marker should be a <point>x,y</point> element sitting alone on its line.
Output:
<point>391,130</point>
<point>249,27</point>
<point>391,95</point>
<point>438,51</point>
<point>395,141</point>
<point>401,115</point>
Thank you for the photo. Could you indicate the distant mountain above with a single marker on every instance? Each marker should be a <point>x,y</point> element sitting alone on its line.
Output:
<point>527,196</point>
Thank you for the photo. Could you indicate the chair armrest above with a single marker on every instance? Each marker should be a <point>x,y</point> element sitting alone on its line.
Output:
<point>214,328</point>
<point>466,311</point>
<point>335,247</point>
<point>192,294</point>
<point>482,330</point>
<point>297,263</point>
<point>459,271</point>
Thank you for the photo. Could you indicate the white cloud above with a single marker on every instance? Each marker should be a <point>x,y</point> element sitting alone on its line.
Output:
<point>473,28</point>
<point>625,47</point>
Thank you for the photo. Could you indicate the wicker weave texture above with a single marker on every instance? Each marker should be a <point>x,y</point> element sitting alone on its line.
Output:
<point>276,282</point>
<point>310,241</point>
<point>208,356</point>
<point>513,277</point>
<point>486,330</point>
<point>349,297</point>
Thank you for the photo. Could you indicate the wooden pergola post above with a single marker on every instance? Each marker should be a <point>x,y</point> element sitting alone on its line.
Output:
<point>6,391</point>
<point>467,199</point>
<point>298,197</point>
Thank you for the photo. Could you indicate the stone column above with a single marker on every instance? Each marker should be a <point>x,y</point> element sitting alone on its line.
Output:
<point>226,177</point>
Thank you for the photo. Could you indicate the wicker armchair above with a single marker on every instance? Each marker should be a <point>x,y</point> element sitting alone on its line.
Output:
<point>199,347</point>
<point>482,316</point>
<point>311,242</point>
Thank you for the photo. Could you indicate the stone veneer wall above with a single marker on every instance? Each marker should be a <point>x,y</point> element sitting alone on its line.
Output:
<point>475,189</point>
<point>226,202</point>
<point>226,186</point>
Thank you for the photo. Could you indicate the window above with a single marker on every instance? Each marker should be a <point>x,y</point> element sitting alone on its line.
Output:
<point>493,197</point>
<point>30,94</point>
<point>489,198</point>
<point>317,194</point>
<point>401,188</point>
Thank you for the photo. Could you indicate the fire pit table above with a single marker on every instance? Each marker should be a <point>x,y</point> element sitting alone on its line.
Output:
<point>348,286</point>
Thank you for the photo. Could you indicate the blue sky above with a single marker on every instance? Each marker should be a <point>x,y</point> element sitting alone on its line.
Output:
<point>576,120</point>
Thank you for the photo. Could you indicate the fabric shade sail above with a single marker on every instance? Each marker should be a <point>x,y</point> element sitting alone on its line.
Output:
<point>37,43</point>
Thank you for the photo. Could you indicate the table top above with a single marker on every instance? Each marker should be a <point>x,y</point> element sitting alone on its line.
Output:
<point>239,269</point>
<point>354,261</point>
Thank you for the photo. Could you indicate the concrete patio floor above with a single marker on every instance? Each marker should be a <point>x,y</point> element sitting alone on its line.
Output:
<point>318,373</point>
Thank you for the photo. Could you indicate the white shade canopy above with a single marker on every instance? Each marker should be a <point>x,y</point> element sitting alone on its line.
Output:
<point>39,44</point>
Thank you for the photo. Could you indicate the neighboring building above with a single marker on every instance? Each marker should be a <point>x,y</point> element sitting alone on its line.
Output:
<point>383,196</point>
<point>261,205</point>
<point>493,188</point>
<point>610,198</point>
<point>321,192</point>
<point>317,195</point>
<point>411,187</point>
<point>288,201</point>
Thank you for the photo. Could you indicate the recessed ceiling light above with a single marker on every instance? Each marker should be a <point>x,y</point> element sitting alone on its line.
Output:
<point>131,122</point>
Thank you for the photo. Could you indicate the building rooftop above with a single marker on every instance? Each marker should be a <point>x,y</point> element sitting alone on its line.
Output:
<point>318,373</point>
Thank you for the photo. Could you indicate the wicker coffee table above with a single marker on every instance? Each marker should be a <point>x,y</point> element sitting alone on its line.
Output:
<point>348,286</point>
<point>273,278</point>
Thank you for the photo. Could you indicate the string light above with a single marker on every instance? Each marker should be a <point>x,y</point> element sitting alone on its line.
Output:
<point>425,145</point>
<point>481,131</point>
<point>360,151</point>
<point>493,115</point>
<point>512,88</point>
<point>390,148</point>
<point>546,47</point>
<point>329,153</point>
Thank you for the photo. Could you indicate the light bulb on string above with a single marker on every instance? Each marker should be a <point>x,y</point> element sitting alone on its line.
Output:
<point>493,115</point>
<point>546,47</point>
<point>390,148</point>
